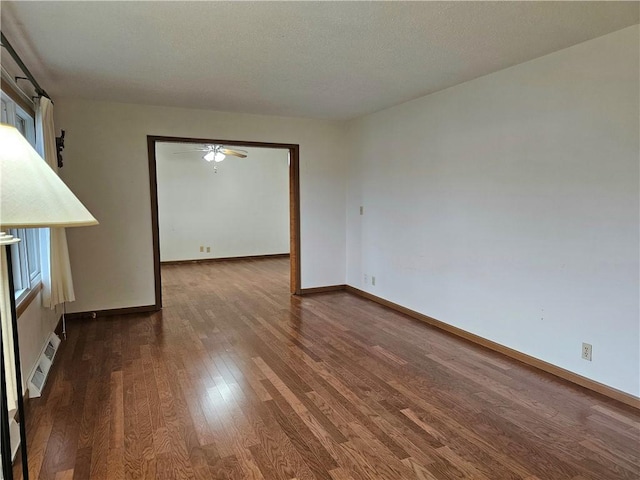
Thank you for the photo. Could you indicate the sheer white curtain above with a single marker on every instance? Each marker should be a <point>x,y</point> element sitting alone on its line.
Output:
<point>56,269</point>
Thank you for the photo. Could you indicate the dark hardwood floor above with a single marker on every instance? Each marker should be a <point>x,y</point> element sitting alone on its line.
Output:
<point>236,379</point>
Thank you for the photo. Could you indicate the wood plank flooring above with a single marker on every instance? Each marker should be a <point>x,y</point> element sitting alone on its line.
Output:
<point>236,379</point>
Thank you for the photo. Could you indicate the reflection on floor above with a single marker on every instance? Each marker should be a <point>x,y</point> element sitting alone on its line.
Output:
<point>237,379</point>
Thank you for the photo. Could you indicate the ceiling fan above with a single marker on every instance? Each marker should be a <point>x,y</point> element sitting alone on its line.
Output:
<point>217,153</point>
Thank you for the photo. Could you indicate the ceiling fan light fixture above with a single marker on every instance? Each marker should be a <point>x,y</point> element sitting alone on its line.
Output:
<point>219,156</point>
<point>210,156</point>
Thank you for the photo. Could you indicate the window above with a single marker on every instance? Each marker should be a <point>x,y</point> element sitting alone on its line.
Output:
<point>25,254</point>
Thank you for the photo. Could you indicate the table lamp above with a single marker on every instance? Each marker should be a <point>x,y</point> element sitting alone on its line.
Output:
<point>31,196</point>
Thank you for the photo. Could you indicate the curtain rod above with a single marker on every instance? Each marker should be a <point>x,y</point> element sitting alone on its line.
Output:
<point>39,90</point>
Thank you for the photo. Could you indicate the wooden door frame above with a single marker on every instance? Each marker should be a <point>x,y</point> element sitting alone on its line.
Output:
<point>294,202</point>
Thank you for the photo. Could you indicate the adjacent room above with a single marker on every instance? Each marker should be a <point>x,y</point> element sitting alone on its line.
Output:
<point>320,240</point>
<point>228,207</point>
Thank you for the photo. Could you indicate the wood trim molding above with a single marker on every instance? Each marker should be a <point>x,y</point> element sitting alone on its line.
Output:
<point>325,289</point>
<point>598,387</point>
<point>26,301</point>
<point>111,312</point>
<point>14,95</point>
<point>225,259</point>
<point>294,220</point>
<point>153,188</point>
<point>294,202</point>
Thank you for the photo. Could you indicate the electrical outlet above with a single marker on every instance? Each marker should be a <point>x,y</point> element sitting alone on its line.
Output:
<point>361,210</point>
<point>208,249</point>
<point>201,248</point>
<point>586,351</point>
<point>373,280</point>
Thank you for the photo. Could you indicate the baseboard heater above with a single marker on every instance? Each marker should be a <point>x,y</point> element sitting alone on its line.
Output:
<point>40,373</point>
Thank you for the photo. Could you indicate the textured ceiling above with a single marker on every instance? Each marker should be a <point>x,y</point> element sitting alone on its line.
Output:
<point>314,59</point>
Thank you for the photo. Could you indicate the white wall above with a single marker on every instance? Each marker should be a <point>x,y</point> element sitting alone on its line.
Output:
<point>107,168</point>
<point>508,207</point>
<point>240,209</point>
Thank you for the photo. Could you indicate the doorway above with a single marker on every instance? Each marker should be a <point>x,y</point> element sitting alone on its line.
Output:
<point>153,143</point>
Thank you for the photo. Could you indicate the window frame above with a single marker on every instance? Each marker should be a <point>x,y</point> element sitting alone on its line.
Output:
<point>25,255</point>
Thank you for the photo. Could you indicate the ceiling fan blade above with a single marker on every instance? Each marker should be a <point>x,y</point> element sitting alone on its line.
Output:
<point>235,153</point>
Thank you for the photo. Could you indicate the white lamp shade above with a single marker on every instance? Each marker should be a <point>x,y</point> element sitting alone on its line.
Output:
<point>31,194</point>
